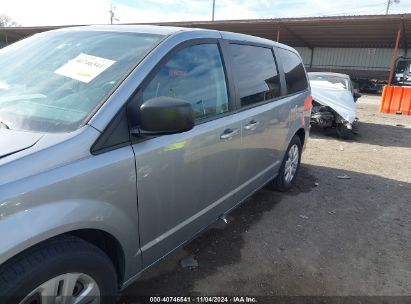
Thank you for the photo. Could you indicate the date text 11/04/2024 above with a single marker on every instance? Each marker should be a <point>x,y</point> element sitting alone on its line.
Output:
<point>202,299</point>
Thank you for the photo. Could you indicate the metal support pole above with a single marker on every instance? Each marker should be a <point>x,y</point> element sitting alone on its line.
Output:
<point>278,33</point>
<point>404,38</point>
<point>312,57</point>
<point>388,6</point>
<point>3,32</point>
<point>213,10</point>
<point>395,54</point>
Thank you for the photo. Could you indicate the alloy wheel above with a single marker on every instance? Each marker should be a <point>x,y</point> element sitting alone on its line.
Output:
<point>291,163</point>
<point>69,288</point>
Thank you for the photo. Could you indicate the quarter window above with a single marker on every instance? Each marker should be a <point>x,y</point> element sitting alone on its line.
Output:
<point>196,75</point>
<point>294,71</point>
<point>256,73</point>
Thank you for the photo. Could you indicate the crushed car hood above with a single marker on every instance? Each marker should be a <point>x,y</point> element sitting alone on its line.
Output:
<point>12,141</point>
<point>336,97</point>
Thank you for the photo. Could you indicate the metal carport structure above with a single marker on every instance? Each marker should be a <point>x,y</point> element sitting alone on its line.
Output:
<point>362,46</point>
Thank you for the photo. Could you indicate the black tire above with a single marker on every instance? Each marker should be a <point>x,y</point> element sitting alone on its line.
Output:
<point>280,183</point>
<point>65,254</point>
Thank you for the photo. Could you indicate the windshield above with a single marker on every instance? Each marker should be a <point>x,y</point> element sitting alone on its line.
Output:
<point>53,81</point>
<point>340,82</point>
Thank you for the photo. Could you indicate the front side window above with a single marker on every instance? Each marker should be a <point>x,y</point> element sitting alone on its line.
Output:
<point>53,81</point>
<point>256,73</point>
<point>196,75</point>
<point>294,71</point>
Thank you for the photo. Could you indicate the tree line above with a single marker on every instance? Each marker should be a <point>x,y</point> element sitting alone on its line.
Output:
<point>6,21</point>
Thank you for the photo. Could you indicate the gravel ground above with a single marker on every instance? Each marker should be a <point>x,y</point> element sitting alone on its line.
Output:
<point>326,237</point>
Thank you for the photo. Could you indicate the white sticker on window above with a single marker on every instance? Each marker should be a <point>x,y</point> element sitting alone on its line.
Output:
<point>84,67</point>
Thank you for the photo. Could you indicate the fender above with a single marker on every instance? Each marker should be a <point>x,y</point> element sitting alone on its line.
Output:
<point>29,227</point>
<point>98,192</point>
<point>299,118</point>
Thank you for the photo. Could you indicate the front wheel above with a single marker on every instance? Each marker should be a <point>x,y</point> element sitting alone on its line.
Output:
<point>62,270</point>
<point>290,166</point>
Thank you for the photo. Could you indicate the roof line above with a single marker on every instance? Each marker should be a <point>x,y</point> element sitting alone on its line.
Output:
<point>406,16</point>
<point>299,19</point>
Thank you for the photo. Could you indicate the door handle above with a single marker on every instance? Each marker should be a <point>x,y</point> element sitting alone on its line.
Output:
<point>229,134</point>
<point>251,126</point>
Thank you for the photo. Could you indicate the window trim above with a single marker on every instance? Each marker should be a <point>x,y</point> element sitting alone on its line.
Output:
<point>239,108</point>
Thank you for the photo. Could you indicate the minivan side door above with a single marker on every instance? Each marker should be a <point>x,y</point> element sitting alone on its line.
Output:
<point>264,114</point>
<point>185,181</point>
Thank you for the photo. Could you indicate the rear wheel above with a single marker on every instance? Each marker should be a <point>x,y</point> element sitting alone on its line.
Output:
<point>290,166</point>
<point>62,270</point>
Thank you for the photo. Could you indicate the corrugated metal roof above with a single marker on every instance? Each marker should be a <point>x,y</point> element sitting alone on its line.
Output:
<point>377,31</point>
<point>342,31</point>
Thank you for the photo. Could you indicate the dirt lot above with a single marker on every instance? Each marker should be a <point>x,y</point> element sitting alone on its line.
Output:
<point>328,236</point>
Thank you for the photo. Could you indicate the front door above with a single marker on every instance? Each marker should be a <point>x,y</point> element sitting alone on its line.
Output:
<point>184,181</point>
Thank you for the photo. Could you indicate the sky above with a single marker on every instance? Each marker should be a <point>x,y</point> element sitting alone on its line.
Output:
<point>75,12</point>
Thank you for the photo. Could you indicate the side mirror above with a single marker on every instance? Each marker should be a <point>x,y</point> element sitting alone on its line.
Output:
<point>356,96</point>
<point>165,115</point>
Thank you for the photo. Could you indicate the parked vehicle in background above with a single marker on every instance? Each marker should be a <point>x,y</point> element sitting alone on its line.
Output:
<point>372,86</point>
<point>402,72</point>
<point>118,144</point>
<point>333,102</point>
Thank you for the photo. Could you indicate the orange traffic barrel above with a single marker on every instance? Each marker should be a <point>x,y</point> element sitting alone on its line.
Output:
<point>396,100</point>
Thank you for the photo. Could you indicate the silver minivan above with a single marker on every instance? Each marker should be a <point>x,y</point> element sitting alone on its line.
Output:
<point>118,144</point>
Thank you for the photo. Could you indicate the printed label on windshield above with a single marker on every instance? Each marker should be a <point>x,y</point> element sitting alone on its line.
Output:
<point>84,67</point>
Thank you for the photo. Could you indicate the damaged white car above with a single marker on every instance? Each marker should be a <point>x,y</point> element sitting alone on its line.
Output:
<point>333,102</point>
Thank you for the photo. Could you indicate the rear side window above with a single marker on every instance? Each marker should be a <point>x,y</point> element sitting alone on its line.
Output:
<point>256,73</point>
<point>294,71</point>
<point>196,75</point>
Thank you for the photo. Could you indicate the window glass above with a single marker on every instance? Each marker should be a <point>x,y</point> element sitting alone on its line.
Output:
<point>256,73</point>
<point>196,75</point>
<point>53,81</point>
<point>338,81</point>
<point>294,71</point>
